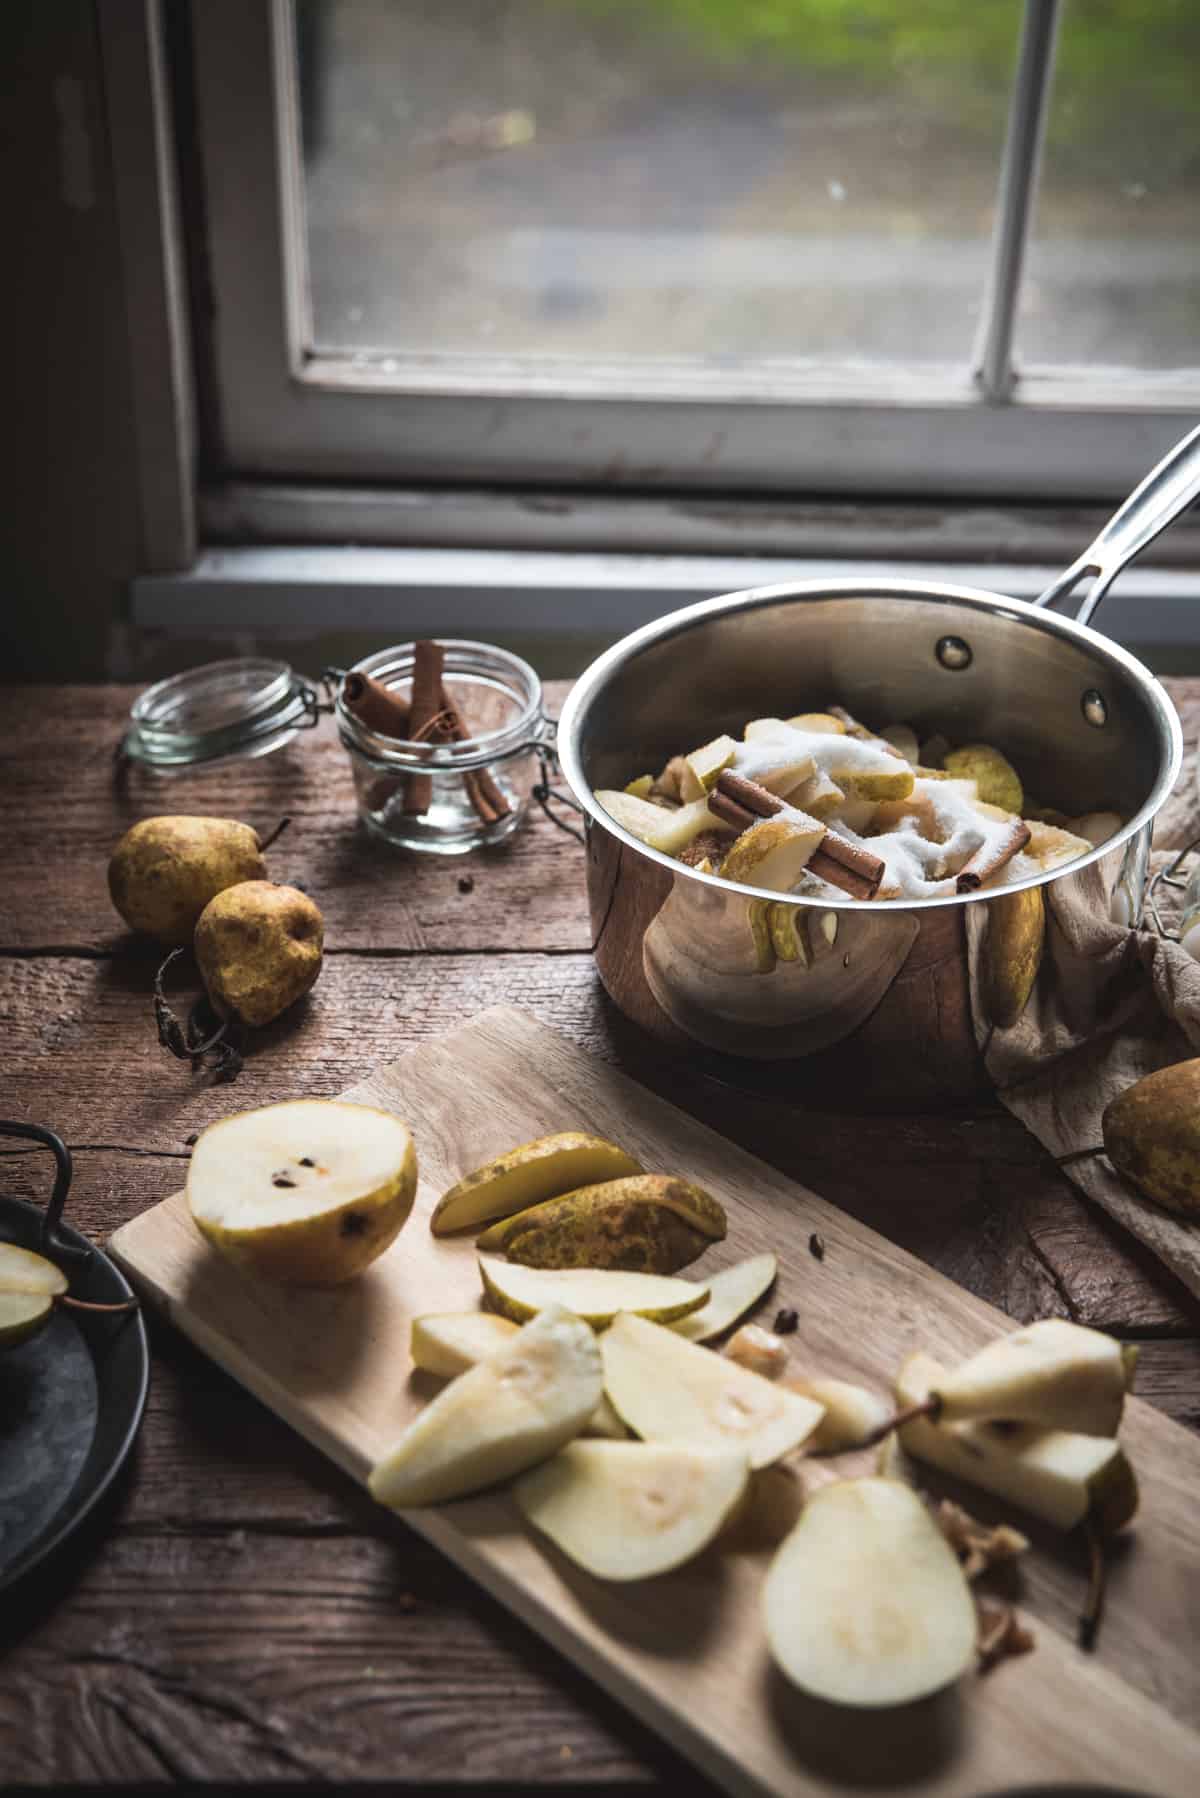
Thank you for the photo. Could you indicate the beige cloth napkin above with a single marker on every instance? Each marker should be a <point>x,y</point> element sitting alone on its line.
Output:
<point>1110,1005</point>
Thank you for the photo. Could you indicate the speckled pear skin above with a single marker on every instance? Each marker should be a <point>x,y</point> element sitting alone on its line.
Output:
<point>164,871</point>
<point>1152,1135</point>
<point>258,946</point>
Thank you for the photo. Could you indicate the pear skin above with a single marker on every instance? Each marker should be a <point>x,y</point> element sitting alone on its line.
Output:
<point>164,871</point>
<point>1152,1136</point>
<point>524,1176</point>
<point>1012,954</point>
<point>258,947</point>
<point>646,1223</point>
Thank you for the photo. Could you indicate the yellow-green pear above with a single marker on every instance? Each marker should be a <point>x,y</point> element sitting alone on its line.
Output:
<point>29,1285</point>
<point>164,871</point>
<point>1054,1373</point>
<point>1152,1135</point>
<point>258,947</point>
<point>525,1176</point>
<point>645,1223</point>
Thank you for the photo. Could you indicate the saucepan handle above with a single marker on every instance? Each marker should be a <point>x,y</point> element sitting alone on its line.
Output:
<point>1155,503</point>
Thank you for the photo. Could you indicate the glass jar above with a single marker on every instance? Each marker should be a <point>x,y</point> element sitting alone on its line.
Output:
<point>499,698</point>
<point>248,706</point>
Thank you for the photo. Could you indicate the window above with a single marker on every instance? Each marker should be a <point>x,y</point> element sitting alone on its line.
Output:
<point>640,245</point>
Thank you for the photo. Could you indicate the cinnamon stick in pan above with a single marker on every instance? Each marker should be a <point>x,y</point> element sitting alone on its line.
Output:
<point>748,794</point>
<point>740,816</point>
<point>989,858</point>
<point>856,871</point>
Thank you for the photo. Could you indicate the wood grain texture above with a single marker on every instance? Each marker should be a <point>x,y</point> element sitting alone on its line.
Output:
<point>686,1653</point>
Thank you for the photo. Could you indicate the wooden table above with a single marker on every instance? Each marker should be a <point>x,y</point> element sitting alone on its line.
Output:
<point>240,1612</point>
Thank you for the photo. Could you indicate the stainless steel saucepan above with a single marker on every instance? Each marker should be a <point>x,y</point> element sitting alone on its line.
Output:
<point>881,999</point>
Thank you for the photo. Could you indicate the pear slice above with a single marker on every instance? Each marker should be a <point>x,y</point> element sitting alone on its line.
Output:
<point>819,795</point>
<point>646,1223</point>
<point>851,1412</point>
<point>824,724</point>
<point>542,1169</point>
<point>865,1603</point>
<point>773,853</point>
<point>670,1390</point>
<point>594,1293</point>
<point>658,829</point>
<point>704,765</point>
<point>731,1293</point>
<point>1057,1475</point>
<point>1054,1373</point>
<point>876,784</point>
<point>519,1405</point>
<point>29,1285</point>
<point>449,1342</point>
<point>308,1192</point>
<point>631,1510</point>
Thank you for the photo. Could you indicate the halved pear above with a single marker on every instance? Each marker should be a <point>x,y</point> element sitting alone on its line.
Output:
<point>704,765</point>
<point>308,1192</point>
<point>631,1510</point>
<point>29,1285</point>
<point>851,1412</point>
<point>449,1342</point>
<point>596,1294</point>
<point>1057,1475</point>
<point>659,829</point>
<point>1053,1373</point>
<point>865,1603</point>
<point>646,1223</point>
<point>731,1293</point>
<point>774,852</point>
<point>524,1176</point>
<point>671,1390</point>
<point>523,1403</point>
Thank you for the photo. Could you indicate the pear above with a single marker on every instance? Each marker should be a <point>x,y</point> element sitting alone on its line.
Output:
<point>594,1293</point>
<point>865,1603</point>
<point>851,1412</point>
<point>994,775</point>
<point>258,948</point>
<point>308,1192</point>
<point>1152,1135</point>
<point>164,871</point>
<point>525,1176</point>
<point>670,1390</point>
<point>1057,1475</point>
<point>823,723</point>
<point>521,1404</point>
<point>645,1223</point>
<point>704,765</point>
<point>29,1285</point>
<point>448,1343</point>
<point>875,784</point>
<point>731,1293</point>
<point>631,1510</point>
<point>1053,1373</point>
<point>774,852</point>
<point>668,831</point>
<point>1014,938</point>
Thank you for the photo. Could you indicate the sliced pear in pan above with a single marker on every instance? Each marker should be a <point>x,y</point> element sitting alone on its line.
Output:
<point>521,1404</point>
<point>1053,1372</point>
<point>596,1294</point>
<point>704,765</point>
<point>670,1390</point>
<point>631,1510</point>
<point>526,1175</point>
<point>669,831</point>
<point>1058,1475</point>
<point>865,1603</point>
<point>731,1293</point>
<point>773,853</point>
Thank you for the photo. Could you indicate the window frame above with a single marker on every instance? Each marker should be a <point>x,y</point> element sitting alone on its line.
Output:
<point>786,426</point>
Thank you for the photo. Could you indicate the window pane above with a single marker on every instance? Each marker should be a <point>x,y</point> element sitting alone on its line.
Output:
<point>705,178</point>
<point>1113,274</point>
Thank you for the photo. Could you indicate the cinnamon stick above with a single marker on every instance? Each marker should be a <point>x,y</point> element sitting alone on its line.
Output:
<point>721,806</point>
<point>377,707</point>
<point>856,871</point>
<point>426,704</point>
<point>989,858</point>
<point>481,788</point>
<point>749,794</point>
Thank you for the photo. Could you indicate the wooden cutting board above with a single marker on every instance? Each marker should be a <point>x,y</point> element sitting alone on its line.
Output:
<point>686,1652</point>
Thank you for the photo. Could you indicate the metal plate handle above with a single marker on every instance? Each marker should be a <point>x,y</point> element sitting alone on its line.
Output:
<point>1156,502</point>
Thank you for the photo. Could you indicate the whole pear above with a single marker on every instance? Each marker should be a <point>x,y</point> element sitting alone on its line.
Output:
<point>164,871</point>
<point>258,948</point>
<point>1152,1135</point>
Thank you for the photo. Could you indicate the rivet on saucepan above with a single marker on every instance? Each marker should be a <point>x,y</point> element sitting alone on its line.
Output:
<point>1094,707</point>
<point>954,653</point>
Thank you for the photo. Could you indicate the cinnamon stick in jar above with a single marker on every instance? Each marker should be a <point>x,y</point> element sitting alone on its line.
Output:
<point>426,704</point>
<point>376,706</point>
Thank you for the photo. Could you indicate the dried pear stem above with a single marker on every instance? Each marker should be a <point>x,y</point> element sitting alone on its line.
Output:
<point>124,1305</point>
<point>1093,1608</point>
<point>188,1046</point>
<point>275,835</point>
<point>928,1407</point>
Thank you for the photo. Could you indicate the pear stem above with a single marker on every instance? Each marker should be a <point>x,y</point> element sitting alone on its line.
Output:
<point>91,1305</point>
<point>927,1407</point>
<point>274,837</point>
<point>1093,1609</point>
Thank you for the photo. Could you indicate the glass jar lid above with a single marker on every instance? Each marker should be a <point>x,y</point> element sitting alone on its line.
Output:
<point>247,706</point>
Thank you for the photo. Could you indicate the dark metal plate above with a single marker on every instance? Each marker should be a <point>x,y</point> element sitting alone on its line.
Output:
<point>71,1401</point>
